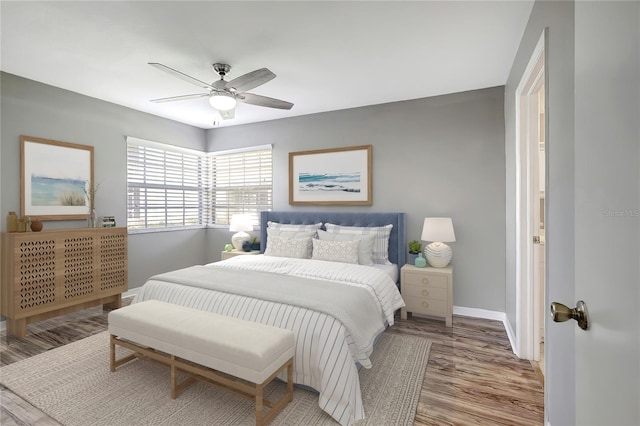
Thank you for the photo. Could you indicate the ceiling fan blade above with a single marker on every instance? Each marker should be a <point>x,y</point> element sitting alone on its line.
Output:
<point>250,80</point>
<point>180,75</point>
<point>228,114</point>
<point>250,98</point>
<point>180,98</point>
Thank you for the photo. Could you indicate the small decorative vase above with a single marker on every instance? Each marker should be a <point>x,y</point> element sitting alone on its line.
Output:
<point>228,247</point>
<point>420,261</point>
<point>246,246</point>
<point>36,225</point>
<point>91,220</point>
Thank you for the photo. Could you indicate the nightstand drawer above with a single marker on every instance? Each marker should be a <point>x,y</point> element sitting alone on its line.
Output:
<point>430,280</point>
<point>420,305</point>
<point>417,291</point>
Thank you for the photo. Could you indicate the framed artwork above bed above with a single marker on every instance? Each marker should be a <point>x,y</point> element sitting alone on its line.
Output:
<point>337,176</point>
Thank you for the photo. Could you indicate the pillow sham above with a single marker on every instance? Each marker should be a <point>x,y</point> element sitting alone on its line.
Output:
<point>380,252</point>
<point>335,251</point>
<point>287,230</point>
<point>299,248</point>
<point>365,248</point>
<point>293,227</point>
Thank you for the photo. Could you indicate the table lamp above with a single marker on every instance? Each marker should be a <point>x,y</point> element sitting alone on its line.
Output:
<point>438,230</point>
<point>240,223</point>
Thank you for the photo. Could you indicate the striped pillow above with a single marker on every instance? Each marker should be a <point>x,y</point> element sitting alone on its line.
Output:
<point>380,252</point>
<point>288,227</point>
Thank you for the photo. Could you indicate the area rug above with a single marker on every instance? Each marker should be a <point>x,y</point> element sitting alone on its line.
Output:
<point>73,385</point>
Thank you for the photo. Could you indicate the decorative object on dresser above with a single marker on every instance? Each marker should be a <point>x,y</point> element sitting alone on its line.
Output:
<point>336,176</point>
<point>36,225</point>
<point>438,230</point>
<point>55,190</point>
<point>427,291</point>
<point>420,261</point>
<point>240,223</point>
<point>231,253</point>
<point>54,272</point>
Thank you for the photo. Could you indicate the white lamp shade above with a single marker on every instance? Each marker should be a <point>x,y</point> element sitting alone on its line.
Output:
<point>438,229</point>
<point>222,102</point>
<point>240,222</point>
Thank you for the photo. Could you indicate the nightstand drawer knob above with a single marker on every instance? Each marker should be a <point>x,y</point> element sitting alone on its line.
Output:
<point>425,292</point>
<point>425,305</point>
<point>425,281</point>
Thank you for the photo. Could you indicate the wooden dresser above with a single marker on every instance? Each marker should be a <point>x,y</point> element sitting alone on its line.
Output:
<point>50,273</point>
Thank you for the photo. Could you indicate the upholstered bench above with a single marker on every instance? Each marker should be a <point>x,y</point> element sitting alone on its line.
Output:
<point>236,355</point>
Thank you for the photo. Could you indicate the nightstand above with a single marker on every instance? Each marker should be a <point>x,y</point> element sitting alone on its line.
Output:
<point>228,254</point>
<point>427,291</point>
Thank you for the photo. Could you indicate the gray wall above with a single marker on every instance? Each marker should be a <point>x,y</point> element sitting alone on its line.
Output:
<point>440,156</point>
<point>558,17</point>
<point>431,157</point>
<point>35,109</point>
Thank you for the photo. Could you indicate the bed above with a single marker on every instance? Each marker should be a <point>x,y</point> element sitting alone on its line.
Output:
<point>337,310</point>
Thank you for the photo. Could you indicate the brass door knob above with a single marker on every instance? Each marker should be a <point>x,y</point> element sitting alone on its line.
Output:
<point>562,313</point>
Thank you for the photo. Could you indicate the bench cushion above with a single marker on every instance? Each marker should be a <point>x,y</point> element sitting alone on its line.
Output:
<point>244,349</point>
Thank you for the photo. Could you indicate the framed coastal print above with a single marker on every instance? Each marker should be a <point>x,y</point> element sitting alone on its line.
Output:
<point>54,179</point>
<point>338,176</point>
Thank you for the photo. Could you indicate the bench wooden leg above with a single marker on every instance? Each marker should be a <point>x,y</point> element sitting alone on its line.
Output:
<point>259,405</point>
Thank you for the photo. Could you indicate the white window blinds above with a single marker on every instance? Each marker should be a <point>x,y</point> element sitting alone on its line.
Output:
<point>167,186</point>
<point>241,183</point>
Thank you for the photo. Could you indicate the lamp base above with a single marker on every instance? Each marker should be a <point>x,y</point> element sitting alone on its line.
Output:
<point>438,254</point>
<point>238,238</point>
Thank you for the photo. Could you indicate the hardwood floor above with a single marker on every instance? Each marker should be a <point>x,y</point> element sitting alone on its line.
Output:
<point>472,378</point>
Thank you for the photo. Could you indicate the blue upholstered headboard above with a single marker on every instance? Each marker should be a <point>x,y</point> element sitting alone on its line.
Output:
<point>397,240</point>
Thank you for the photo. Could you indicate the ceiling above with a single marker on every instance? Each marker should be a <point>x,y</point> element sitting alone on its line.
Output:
<point>327,55</point>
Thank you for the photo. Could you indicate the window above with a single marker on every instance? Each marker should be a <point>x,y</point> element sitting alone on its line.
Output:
<point>241,183</point>
<point>167,186</point>
<point>175,188</point>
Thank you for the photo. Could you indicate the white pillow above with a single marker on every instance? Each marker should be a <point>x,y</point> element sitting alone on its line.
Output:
<point>287,230</point>
<point>380,253</point>
<point>289,247</point>
<point>365,248</point>
<point>292,227</point>
<point>336,251</point>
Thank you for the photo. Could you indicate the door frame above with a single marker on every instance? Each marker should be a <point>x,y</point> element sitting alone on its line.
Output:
<point>527,329</point>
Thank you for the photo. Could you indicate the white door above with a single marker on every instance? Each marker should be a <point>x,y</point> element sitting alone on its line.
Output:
<point>605,360</point>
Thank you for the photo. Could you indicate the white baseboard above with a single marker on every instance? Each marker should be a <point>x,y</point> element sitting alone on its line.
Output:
<point>128,293</point>
<point>490,315</point>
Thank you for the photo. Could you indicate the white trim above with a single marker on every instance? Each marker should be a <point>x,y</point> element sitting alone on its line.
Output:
<point>245,149</point>
<point>162,146</point>
<point>524,335</point>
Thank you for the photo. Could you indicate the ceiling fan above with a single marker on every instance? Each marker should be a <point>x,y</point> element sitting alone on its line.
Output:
<point>223,94</point>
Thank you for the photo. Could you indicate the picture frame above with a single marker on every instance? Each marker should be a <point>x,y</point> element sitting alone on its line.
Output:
<point>335,176</point>
<point>55,177</point>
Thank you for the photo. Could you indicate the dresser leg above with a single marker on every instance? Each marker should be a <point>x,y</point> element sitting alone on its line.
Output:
<point>17,327</point>
<point>448,321</point>
<point>403,313</point>
<point>115,304</point>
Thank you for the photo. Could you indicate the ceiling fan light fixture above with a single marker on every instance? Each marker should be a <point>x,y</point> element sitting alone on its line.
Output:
<point>222,101</point>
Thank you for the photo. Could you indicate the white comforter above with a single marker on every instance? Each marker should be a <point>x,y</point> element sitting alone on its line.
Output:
<point>329,339</point>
